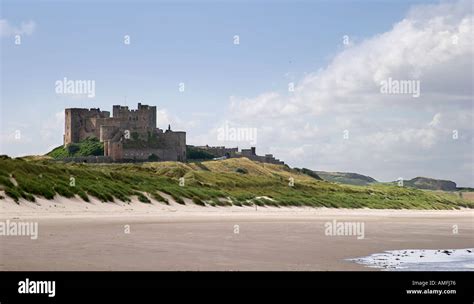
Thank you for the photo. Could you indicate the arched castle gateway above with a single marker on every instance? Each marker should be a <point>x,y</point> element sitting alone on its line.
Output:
<point>127,135</point>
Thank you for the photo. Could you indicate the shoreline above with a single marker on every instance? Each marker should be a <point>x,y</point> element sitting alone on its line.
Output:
<point>191,237</point>
<point>461,259</point>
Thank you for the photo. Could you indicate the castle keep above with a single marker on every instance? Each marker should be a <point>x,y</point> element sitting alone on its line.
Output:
<point>127,134</point>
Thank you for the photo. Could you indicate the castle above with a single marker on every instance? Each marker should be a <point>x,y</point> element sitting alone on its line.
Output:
<point>132,135</point>
<point>129,135</point>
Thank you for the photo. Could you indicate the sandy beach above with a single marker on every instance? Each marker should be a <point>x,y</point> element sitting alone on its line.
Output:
<point>74,235</point>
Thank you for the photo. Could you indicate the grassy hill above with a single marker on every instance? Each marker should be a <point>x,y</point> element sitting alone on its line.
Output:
<point>424,183</point>
<point>233,181</point>
<point>194,153</point>
<point>346,178</point>
<point>90,146</point>
<point>430,184</point>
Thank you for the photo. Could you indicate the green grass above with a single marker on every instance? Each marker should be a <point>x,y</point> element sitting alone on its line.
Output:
<point>346,178</point>
<point>88,147</point>
<point>194,153</point>
<point>210,181</point>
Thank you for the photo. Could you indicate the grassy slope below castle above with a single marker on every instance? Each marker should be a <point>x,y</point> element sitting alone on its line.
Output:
<point>194,153</point>
<point>240,180</point>
<point>88,147</point>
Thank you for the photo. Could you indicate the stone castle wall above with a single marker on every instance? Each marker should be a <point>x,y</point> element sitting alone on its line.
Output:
<point>107,132</point>
<point>83,123</point>
<point>219,151</point>
<point>141,119</point>
<point>235,153</point>
<point>175,143</point>
<point>172,148</point>
<point>80,124</point>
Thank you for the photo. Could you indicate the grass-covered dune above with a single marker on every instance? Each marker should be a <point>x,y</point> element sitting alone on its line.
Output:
<point>236,181</point>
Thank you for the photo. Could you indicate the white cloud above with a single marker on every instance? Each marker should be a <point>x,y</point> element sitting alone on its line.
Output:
<point>164,118</point>
<point>421,45</point>
<point>25,28</point>
<point>433,44</point>
<point>50,127</point>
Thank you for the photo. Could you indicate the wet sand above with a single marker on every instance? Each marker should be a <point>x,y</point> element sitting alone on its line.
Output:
<point>176,237</point>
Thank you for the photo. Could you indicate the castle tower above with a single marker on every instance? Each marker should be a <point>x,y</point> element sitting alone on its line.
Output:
<point>80,124</point>
<point>143,118</point>
<point>71,128</point>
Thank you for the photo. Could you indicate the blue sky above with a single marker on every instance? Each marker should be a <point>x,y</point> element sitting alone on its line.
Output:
<point>192,43</point>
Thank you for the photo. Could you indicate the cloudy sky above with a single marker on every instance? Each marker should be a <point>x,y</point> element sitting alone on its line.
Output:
<point>307,77</point>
